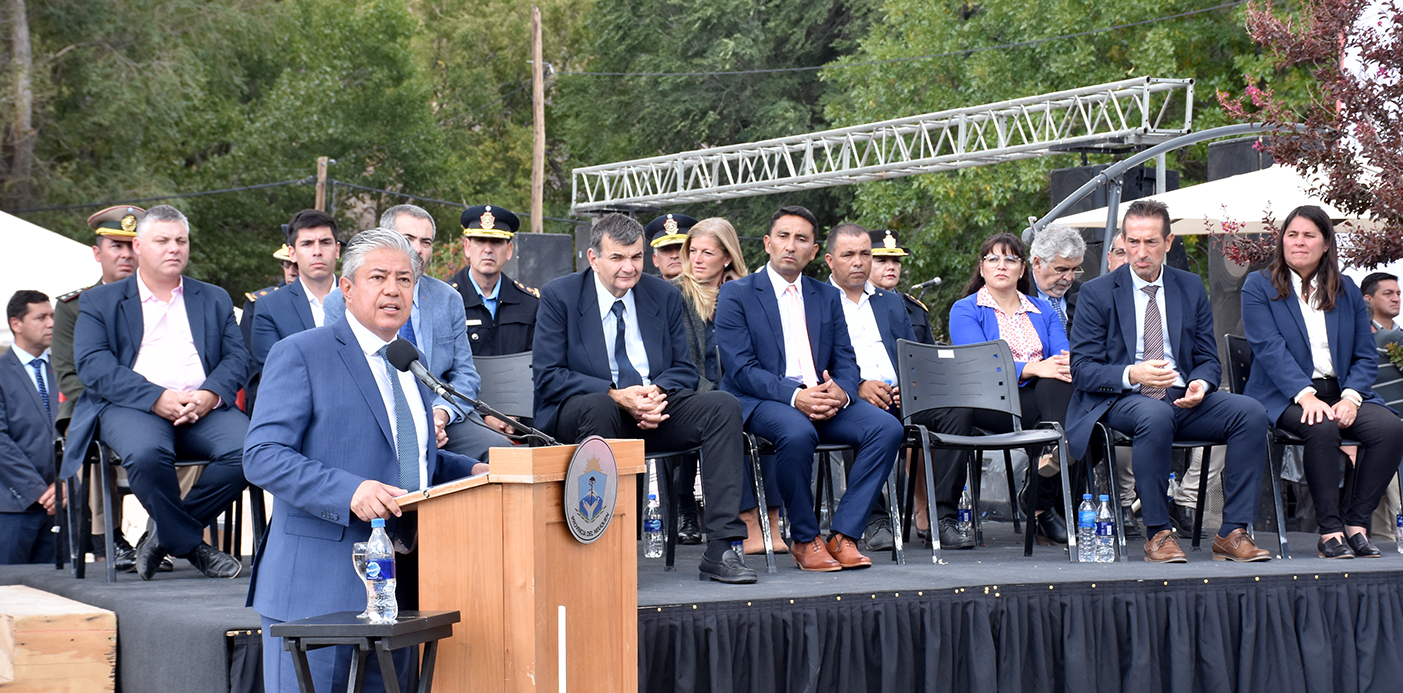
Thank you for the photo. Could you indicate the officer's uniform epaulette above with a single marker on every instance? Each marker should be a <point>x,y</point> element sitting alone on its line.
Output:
<point>255,295</point>
<point>71,295</point>
<point>453,284</point>
<point>918,302</point>
<point>527,289</point>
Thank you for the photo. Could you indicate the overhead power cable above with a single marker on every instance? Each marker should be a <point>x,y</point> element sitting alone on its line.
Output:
<point>112,203</point>
<point>421,198</point>
<point>967,51</point>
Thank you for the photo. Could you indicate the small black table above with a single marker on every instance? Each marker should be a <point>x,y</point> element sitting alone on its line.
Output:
<point>344,628</point>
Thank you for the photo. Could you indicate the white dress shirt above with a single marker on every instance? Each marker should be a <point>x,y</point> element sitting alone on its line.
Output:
<point>1142,302</point>
<point>24,359</point>
<point>1322,361</point>
<point>633,335</point>
<point>318,308</point>
<point>370,345</point>
<point>873,361</point>
<point>167,356</point>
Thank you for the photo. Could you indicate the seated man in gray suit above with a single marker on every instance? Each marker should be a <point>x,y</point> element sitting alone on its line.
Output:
<point>28,400</point>
<point>437,328</point>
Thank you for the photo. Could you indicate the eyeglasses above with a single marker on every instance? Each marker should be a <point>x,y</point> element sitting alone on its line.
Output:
<point>995,260</point>
<point>1074,271</point>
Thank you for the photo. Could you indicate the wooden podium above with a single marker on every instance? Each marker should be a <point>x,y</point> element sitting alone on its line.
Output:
<point>496,548</point>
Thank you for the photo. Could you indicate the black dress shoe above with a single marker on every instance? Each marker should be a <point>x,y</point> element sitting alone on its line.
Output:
<point>1333,548</point>
<point>1362,547</point>
<point>951,537</point>
<point>728,570</point>
<point>878,535</point>
<point>688,531</point>
<point>1052,528</point>
<point>149,555</point>
<point>212,562</point>
<point>1131,526</point>
<point>125,558</point>
<point>1182,517</point>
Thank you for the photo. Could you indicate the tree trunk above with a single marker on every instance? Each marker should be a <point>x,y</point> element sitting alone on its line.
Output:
<point>21,171</point>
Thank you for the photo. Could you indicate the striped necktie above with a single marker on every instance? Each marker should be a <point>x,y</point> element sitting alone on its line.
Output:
<point>406,438</point>
<point>1154,339</point>
<point>38,365</point>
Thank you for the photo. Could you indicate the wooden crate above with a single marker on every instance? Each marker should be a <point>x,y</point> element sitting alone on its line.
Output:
<point>49,643</point>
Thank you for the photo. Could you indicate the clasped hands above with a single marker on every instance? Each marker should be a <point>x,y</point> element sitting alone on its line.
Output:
<point>1058,367</point>
<point>821,401</point>
<point>645,403</point>
<point>1157,373</point>
<point>1314,410</point>
<point>180,407</point>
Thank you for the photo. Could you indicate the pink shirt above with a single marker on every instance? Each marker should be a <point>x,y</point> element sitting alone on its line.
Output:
<point>1016,328</point>
<point>167,356</point>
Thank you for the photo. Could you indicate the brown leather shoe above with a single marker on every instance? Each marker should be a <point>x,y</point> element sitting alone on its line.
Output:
<point>1164,548</point>
<point>1238,546</point>
<point>813,555</point>
<point>844,550</point>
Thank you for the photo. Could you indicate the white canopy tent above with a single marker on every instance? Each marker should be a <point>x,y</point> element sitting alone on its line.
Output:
<point>41,260</point>
<point>1243,199</point>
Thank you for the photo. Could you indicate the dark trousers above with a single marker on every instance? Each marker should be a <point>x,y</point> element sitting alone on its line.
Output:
<point>1381,436</point>
<point>149,447</point>
<point>950,466</point>
<point>709,419</point>
<point>875,434</point>
<point>25,537</point>
<point>1041,399</point>
<point>1221,416</point>
<point>331,666</point>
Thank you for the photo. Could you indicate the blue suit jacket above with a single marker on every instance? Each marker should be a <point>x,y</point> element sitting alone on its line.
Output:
<point>971,324</point>
<point>1277,331</point>
<point>1103,343</point>
<point>442,336</point>
<point>321,430</point>
<point>106,340</point>
<point>26,436</point>
<point>282,313</point>
<point>570,354</point>
<point>752,344</point>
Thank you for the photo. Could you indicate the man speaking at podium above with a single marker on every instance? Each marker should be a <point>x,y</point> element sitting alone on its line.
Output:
<point>338,433</point>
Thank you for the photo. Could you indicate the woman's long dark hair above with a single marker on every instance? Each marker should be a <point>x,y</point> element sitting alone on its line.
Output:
<point>1012,245</point>
<point>1327,273</point>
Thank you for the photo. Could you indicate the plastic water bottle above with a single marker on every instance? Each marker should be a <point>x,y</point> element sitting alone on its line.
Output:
<point>1086,530</point>
<point>1105,532</point>
<point>964,514</point>
<point>652,528</point>
<point>380,574</point>
<point>1400,532</point>
<point>1173,487</point>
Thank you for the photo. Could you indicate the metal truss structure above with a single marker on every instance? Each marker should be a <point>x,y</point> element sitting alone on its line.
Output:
<point>1120,116</point>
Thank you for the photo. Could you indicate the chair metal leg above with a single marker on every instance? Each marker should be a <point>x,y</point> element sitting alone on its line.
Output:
<point>976,472</point>
<point>1202,495</point>
<point>898,552</point>
<point>1031,501</point>
<point>1067,493</point>
<point>109,501</point>
<point>73,517</point>
<point>908,498</point>
<point>1113,490</point>
<point>930,497</point>
<point>761,507</point>
<point>1012,487</point>
<point>1274,472</point>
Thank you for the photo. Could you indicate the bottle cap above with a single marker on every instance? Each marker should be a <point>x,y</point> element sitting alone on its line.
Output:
<point>652,496</point>
<point>1105,497</point>
<point>377,522</point>
<point>1086,496</point>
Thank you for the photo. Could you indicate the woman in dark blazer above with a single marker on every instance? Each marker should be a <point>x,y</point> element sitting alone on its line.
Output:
<point>998,305</point>
<point>1315,369</point>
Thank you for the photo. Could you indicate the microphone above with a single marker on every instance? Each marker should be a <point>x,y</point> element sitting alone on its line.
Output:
<point>404,357</point>
<point>927,284</point>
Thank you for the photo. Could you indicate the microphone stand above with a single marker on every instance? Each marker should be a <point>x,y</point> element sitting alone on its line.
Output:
<point>523,432</point>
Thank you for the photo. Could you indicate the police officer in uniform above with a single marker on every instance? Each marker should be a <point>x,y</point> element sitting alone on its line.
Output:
<point>501,312</point>
<point>886,274</point>
<point>666,234</point>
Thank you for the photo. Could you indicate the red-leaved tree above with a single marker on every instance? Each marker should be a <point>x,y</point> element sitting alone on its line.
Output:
<point>1353,118</point>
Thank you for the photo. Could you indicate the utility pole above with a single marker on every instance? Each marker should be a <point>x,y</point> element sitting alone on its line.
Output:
<point>321,184</point>
<point>538,110</point>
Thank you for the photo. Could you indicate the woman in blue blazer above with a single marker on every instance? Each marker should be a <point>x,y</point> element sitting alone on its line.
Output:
<point>1316,366</point>
<point>998,305</point>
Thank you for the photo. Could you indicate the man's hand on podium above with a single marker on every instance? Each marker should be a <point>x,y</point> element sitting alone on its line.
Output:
<point>373,499</point>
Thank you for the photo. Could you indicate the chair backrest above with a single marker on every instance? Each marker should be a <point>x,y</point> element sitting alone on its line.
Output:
<point>970,376</point>
<point>1239,362</point>
<point>506,383</point>
<point>1389,384</point>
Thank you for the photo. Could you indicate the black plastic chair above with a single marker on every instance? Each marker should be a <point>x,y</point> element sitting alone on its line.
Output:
<point>1112,439</point>
<point>506,383</point>
<point>973,376</point>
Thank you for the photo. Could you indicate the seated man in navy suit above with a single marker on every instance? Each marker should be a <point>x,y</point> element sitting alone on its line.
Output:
<point>28,401</point>
<point>339,435</point>
<point>162,361</point>
<point>1144,358</point>
<point>800,384</point>
<point>299,305</point>
<point>611,359</point>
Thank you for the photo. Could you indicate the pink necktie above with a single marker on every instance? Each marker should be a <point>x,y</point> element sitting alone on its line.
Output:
<point>796,342</point>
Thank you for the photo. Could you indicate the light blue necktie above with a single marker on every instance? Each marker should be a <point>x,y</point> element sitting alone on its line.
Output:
<point>406,438</point>
<point>38,365</point>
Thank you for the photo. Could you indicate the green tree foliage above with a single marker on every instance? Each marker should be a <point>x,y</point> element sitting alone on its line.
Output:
<point>946,216</point>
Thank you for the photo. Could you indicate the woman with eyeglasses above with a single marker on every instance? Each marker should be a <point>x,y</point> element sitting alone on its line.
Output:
<point>999,304</point>
<point>1314,371</point>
